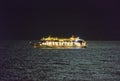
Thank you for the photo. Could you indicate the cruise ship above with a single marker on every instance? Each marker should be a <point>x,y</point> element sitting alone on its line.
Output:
<point>55,42</point>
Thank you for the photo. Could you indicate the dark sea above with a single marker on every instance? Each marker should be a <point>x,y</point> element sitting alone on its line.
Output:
<point>19,61</point>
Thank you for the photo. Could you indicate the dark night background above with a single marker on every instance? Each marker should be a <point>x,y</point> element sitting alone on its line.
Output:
<point>32,19</point>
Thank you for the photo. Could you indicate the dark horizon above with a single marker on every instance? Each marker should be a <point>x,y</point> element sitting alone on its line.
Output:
<point>90,20</point>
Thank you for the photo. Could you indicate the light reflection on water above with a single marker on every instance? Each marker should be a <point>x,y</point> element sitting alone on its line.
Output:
<point>21,62</point>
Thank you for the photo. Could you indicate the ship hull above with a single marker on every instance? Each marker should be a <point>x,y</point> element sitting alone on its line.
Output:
<point>59,47</point>
<point>54,42</point>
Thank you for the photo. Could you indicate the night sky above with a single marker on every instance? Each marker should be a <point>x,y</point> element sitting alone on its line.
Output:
<point>33,19</point>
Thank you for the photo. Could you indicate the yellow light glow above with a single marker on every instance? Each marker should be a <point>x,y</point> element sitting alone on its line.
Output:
<point>58,42</point>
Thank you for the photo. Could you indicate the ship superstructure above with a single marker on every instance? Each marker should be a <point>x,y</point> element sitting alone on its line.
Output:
<point>55,42</point>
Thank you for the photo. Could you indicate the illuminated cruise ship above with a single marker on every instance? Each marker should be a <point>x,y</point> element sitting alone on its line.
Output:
<point>55,42</point>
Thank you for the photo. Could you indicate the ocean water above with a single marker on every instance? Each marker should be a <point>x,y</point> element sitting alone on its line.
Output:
<point>19,61</point>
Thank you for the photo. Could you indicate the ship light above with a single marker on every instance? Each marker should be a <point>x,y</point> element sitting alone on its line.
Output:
<point>75,40</point>
<point>77,44</point>
<point>43,43</point>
